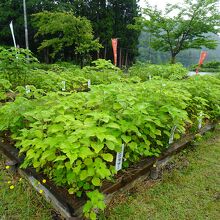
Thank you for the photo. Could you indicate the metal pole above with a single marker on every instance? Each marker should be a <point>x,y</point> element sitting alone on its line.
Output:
<point>25,25</point>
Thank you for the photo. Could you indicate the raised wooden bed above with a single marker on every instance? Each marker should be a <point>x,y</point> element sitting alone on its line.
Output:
<point>70,206</point>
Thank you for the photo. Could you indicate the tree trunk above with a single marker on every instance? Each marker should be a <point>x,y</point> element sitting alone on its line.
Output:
<point>46,56</point>
<point>81,61</point>
<point>173,59</point>
<point>120,63</point>
<point>126,59</point>
<point>98,56</point>
<point>105,53</point>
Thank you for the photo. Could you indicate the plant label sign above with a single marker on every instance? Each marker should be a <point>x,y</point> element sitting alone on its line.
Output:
<point>200,120</point>
<point>119,158</point>
<point>89,83</point>
<point>172,134</point>
<point>63,85</point>
<point>27,89</point>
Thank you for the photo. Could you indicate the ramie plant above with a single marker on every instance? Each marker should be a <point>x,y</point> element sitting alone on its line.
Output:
<point>74,138</point>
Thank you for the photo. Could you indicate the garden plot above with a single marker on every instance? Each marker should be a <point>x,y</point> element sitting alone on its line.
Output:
<point>74,140</point>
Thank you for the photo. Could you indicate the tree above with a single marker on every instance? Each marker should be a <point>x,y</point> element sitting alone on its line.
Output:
<point>13,10</point>
<point>63,31</point>
<point>189,28</point>
<point>110,19</point>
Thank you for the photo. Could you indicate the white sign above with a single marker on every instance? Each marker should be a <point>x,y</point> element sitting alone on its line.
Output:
<point>89,83</point>
<point>172,134</point>
<point>119,158</point>
<point>63,85</point>
<point>27,89</point>
<point>12,33</point>
<point>200,120</point>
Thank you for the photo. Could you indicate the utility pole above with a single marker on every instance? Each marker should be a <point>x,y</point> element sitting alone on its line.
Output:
<point>25,24</point>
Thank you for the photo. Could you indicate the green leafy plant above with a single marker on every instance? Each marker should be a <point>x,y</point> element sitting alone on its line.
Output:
<point>14,65</point>
<point>5,85</point>
<point>74,138</point>
<point>147,71</point>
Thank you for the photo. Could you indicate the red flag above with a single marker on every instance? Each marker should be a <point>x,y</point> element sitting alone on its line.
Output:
<point>114,47</point>
<point>203,55</point>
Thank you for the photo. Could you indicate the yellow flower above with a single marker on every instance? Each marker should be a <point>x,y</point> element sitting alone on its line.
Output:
<point>41,191</point>
<point>20,179</point>
<point>154,165</point>
<point>9,182</point>
<point>38,183</point>
<point>7,167</point>
<point>12,187</point>
<point>44,181</point>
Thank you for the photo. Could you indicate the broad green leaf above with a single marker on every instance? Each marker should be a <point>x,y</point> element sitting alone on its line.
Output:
<point>71,191</point>
<point>133,146</point>
<point>96,181</point>
<point>125,138</point>
<point>92,215</point>
<point>85,152</point>
<point>113,125</point>
<point>110,145</point>
<point>111,138</point>
<point>100,136</point>
<point>88,161</point>
<point>60,158</point>
<point>91,171</point>
<point>88,206</point>
<point>97,146</point>
<point>83,175</point>
<point>107,157</point>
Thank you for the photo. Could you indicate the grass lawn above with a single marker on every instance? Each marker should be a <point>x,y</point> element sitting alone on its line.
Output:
<point>21,202</point>
<point>190,191</point>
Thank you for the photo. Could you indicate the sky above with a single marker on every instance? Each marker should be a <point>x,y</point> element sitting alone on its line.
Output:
<point>162,3</point>
<point>159,3</point>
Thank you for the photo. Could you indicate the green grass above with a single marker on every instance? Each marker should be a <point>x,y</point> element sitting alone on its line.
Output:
<point>22,202</point>
<point>190,191</point>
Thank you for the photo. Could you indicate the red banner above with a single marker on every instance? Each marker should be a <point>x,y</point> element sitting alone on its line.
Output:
<point>203,55</point>
<point>114,47</point>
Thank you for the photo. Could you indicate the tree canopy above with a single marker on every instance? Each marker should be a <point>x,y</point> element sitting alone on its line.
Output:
<point>189,28</point>
<point>61,30</point>
<point>109,19</point>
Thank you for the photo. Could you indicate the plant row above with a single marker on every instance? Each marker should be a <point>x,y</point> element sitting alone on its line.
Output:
<point>18,67</point>
<point>74,138</point>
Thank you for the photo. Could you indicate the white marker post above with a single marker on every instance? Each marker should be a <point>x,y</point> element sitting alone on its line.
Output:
<point>200,120</point>
<point>27,89</point>
<point>119,159</point>
<point>63,86</point>
<point>172,134</point>
<point>89,83</point>
<point>12,33</point>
